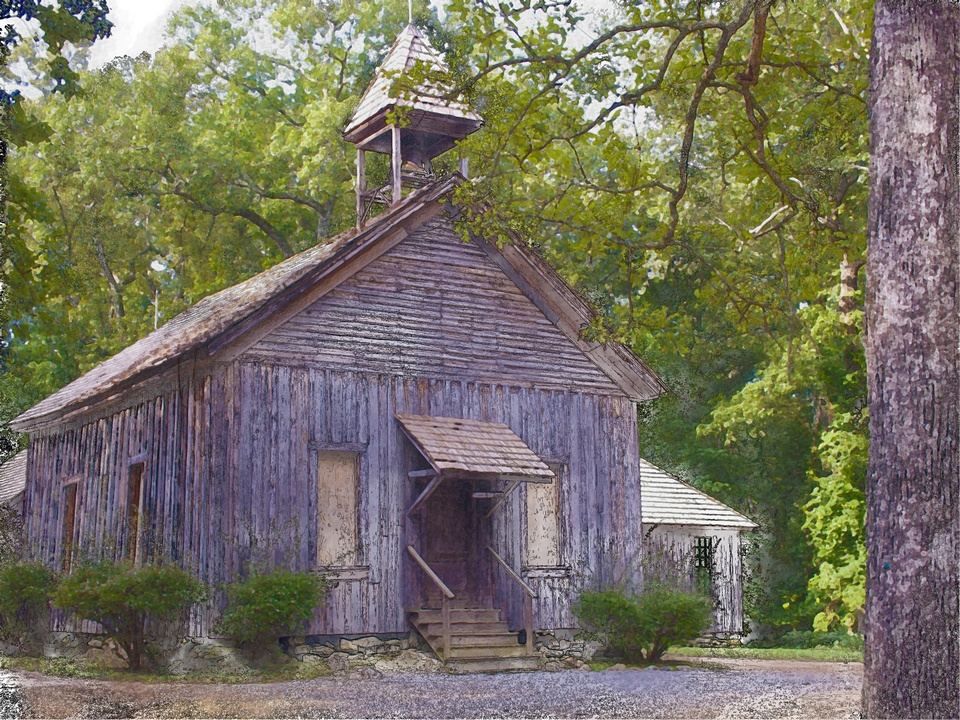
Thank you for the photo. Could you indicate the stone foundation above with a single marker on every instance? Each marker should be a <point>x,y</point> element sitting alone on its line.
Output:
<point>364,656</point>
<point>368,655</point>
<point>719,640</point>
<point>559,650</point>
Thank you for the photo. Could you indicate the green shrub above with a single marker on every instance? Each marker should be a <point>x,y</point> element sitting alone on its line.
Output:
<point>128,600</point>
<point>642,626</point>
<point>25,590</point>
<point>266,605</point>
<point>799,639</point>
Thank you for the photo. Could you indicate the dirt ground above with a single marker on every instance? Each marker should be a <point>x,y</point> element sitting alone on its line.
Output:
<point>723,689</point>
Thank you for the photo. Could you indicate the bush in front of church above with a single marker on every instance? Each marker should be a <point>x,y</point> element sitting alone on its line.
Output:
<point>267,605</point>
<point>643,625</point>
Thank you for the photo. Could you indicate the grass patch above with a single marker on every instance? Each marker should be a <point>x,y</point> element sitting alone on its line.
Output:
<point>61,667</point>
<point>825,654</point>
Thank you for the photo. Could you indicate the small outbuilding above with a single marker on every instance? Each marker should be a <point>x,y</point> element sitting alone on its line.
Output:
<point>695,541</point>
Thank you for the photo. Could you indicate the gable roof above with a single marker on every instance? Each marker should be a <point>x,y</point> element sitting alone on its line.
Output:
<point>665,500</point>
<point>409,50</point>
<point>456,446</point>
<point>204,329</point>
<point>13,478</point>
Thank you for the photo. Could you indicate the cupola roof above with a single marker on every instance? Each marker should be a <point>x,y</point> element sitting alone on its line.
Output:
<point>430,107</point>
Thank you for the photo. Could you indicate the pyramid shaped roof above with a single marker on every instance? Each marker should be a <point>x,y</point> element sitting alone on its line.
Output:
<point>426,99</point>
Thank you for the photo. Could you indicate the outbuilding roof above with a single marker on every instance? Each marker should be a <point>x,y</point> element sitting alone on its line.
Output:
<point>665,500</point>
<point>458,447</point>
<point>13,478</point>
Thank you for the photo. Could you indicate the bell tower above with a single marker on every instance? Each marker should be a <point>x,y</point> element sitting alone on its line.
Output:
<point>412,127</point>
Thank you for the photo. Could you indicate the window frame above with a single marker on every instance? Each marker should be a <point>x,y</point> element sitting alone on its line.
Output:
<point>704,562</point>
<point>358,569</point>
<point>561,568</point>
<point>70,488</point>
<point>133,519</point>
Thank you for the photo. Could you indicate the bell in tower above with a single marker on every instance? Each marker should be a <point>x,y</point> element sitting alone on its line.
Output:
<point>413,127</point>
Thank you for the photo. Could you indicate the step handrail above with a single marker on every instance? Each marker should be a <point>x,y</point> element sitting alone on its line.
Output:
<point>447,593</point>
<point>528,597</point>
<point>447,597</point>
<point>526,588</point>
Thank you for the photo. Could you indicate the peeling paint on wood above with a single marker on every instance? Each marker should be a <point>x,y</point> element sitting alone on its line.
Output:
<point>231,450</point>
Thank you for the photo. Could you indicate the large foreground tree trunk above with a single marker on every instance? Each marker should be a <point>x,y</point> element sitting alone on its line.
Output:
<point>912,657</point>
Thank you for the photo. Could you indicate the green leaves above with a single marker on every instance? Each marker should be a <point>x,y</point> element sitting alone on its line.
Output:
<point>122,597</point>
<point>25,589</point>
<point>645,625</point>
<point>267,605</point>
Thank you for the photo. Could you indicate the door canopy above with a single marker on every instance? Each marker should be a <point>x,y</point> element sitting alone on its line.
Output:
<point>458,448</point>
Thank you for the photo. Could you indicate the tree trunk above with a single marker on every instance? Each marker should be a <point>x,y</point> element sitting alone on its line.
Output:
<point>912,655</point>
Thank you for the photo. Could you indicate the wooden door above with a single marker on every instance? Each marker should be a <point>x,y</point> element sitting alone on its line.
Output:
<point>452,545</point>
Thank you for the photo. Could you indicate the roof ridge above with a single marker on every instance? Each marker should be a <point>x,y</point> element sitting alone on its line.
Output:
<point>124,365</point>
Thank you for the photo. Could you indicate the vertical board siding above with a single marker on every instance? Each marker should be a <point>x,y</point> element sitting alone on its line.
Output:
<point>669,549</point>
<point>230,483</point>
<point>98,454</point>
<point>283,410</point>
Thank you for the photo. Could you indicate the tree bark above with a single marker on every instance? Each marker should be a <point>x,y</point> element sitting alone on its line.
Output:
<point>912,655</point>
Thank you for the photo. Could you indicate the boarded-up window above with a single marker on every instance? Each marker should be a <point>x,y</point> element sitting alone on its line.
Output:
<point>337,480</point>
<point>134,511</point>
<point>543,522</point>
<point>69,523</point>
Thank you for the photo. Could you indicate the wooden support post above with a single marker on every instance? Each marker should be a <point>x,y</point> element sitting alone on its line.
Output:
<point>465,167</point>
<point>395,163</point>
<point>361,186</point>
<point>427,492</point>
<point>446,628</point>
<point>528,620</point>
<point>506,493</point>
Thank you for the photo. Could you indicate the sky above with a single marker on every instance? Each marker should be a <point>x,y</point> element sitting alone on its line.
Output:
<point>139,24</point>
<point>137,27</point>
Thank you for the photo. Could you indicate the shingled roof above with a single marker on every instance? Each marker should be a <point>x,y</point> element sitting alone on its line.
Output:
<point>216,313</point>
<point>13,478</point>
<point>664,500</point>
<point>459,447</point>
<point>229,312</point>
<point>410,50</point>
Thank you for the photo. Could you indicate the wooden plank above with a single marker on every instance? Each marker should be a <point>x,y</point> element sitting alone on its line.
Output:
<point>430,573</point>
<point>427,492</point>
<point>337,480</point>
<point>410,319</point>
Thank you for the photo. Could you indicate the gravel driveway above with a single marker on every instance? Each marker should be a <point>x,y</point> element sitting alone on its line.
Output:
<point>738,689</point>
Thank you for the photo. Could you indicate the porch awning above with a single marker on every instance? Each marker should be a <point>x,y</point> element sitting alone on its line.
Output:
<point>455,447</point>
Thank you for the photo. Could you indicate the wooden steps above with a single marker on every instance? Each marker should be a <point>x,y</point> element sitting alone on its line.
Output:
<point>480,642</point>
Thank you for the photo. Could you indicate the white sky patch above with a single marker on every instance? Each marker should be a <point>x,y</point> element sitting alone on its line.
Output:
<point>137,27</point>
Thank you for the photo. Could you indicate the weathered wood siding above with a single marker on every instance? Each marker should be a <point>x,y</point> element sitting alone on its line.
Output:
<point>231,450</point>
<point>98,454</point>
<point>342,409</point>
<point>669,550</point>
<point>434,306</point>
